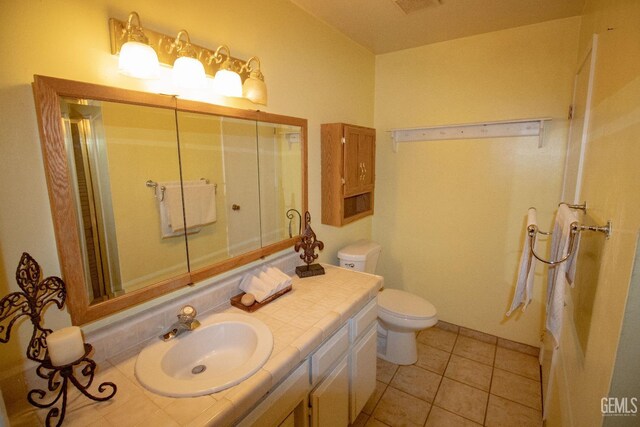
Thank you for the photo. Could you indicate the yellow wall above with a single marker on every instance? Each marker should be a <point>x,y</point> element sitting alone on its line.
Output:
<point>610,186</point>
<point>450,214</point>
<point>311,71</point>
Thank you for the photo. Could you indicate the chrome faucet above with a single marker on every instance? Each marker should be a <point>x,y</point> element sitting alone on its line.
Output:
<point>186,322</point>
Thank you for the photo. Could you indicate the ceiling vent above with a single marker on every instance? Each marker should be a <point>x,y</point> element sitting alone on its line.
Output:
<point>410,6</point>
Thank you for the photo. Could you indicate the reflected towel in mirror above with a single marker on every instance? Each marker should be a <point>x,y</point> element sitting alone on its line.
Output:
<point>200,207</point>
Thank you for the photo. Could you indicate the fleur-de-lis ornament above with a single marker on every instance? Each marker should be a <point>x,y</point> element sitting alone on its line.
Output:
<point>35,296</point>
<point>308,243</point>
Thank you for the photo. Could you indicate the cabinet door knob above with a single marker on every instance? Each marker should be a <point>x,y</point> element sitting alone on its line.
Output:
<point>235,207</point>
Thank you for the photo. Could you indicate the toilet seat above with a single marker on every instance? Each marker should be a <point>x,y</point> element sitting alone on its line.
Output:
<point>402,304</point>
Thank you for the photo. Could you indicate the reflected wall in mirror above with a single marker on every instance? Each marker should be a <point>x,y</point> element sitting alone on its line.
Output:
<point>279,152</point>
<point>150,193</point>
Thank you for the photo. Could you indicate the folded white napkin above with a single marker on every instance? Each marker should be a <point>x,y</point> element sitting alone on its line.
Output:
<point>283,280</point>
<point>253,285</point>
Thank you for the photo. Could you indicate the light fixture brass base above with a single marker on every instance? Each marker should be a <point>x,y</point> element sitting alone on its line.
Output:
<point>164,47</point>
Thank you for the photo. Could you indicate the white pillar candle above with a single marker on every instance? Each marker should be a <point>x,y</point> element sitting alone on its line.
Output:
<point>65,346</point>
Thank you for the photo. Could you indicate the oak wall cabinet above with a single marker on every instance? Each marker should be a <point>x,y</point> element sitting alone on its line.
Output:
<point>348,172</point>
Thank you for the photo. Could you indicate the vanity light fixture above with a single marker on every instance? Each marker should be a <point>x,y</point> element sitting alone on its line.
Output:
<point>137,58</point>
<point>188,71</point>
<point>226,81</point>
<point>191,63</point>
<point>254,88</point>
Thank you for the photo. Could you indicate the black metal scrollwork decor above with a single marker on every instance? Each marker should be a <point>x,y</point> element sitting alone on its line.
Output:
<point>308,243</point>
<point>35,296</point>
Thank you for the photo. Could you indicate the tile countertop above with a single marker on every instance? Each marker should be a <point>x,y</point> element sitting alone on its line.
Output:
<point>299,320</point>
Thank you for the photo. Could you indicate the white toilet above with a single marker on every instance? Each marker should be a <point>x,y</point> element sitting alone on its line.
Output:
<point>401,314</point>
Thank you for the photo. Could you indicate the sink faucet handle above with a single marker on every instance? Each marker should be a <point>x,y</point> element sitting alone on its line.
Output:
<point>187,313</point>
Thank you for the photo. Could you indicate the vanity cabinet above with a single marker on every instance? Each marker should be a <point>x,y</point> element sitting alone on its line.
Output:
<point>331,386</point>
<point>341,393</point>
<point>348,172</point>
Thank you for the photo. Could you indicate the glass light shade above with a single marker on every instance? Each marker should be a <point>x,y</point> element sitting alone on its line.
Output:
<point>138,60</point>
<point>188,73</point>
<point>227,83</point>
<point>255,90</point>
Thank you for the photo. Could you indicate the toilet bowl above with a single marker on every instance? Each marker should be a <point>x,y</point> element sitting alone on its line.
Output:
<point>401,314</point>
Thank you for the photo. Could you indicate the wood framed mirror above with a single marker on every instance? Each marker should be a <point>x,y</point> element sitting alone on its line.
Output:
<point>151,193</point>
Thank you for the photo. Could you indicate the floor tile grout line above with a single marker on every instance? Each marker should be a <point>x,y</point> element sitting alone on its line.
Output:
<point>468,385</point>
<point>497,343</point>
<point>513,401</point>
<point>461,416</point>
<point>386,386</point>
<point>519,375</point>
<point>433,403</point>
<point>473,360</point>
<point>493,369</point>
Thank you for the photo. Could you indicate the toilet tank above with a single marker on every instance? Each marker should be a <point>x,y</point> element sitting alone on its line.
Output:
<point>360,256</point>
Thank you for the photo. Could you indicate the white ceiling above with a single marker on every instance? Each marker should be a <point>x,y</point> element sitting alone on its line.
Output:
<point>383,26</point>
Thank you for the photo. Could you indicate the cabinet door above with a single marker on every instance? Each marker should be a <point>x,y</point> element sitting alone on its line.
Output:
<point>363,372</point>
<point>330,400</point>
<point>352,164</point>
<point>367,159</point>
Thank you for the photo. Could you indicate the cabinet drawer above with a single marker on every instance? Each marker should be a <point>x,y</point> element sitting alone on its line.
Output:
<point>361,321</point>
<point>329,353</point>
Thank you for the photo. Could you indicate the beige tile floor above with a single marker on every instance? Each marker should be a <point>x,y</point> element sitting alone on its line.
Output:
<point>462,378</point>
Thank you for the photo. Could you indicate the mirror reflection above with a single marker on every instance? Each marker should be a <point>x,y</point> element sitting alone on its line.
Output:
<point>112,150</point>
<point>280,179</point>
<point>160,192</point>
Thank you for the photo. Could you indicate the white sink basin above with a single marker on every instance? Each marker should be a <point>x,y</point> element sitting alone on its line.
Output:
<point>226,349</point>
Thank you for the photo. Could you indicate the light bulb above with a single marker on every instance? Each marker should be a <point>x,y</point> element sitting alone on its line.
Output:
<point>227,83</point>
<point>138,60</point>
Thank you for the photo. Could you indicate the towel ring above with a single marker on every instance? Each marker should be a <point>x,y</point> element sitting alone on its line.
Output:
<point>576,228</point>
<point>532,230</point>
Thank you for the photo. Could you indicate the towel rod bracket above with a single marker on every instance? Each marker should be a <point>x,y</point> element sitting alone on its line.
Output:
<point>606,229</point>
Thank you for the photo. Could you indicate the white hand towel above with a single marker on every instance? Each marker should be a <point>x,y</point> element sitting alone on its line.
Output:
<point>571,262</point>
<point>557,277</point>
<point>199,205</point>
<point>524,285</point>
<point>171,209</point>
<point>253,285</point>
<point>165,222</point>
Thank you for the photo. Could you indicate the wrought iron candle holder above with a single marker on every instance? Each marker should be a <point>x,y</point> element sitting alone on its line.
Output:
<point>308,244</point>
<point>35,296</point>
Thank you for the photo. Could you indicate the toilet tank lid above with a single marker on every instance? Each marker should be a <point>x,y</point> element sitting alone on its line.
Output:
<point>358,251</point>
